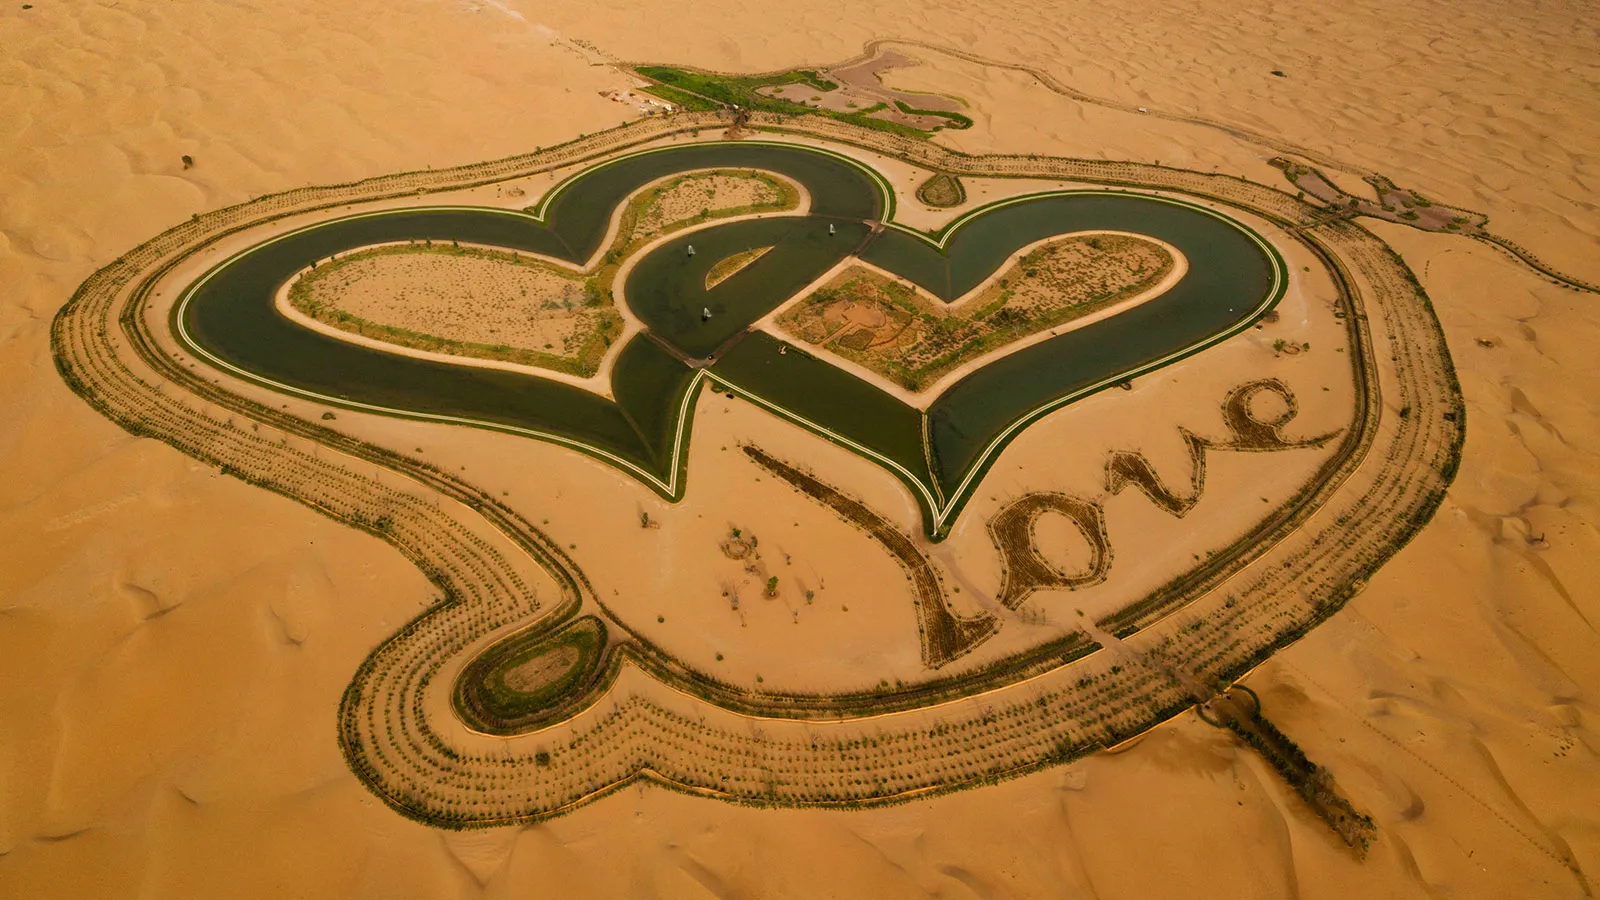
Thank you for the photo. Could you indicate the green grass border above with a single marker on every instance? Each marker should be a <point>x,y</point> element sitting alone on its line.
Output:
<point>743,92</point>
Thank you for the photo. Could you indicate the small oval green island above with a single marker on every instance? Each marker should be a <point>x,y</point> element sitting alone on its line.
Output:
<point>942,191</point>
<point>531,677</point>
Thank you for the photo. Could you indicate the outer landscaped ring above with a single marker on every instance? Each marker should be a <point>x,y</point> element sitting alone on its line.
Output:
<point>1292,571</point>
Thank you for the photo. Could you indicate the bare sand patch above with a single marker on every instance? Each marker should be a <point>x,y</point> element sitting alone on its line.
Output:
<point>730,266</point>
<point>858,86</point>
<point>541,670</point>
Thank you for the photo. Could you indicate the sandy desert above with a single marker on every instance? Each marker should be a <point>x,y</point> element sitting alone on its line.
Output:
<point>176,644</point>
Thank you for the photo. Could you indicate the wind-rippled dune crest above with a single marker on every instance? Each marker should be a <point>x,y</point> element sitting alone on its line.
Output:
<point>174,644</point>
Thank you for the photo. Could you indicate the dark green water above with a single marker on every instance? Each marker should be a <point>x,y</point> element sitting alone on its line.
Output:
<point>231,313</point>
<point>666,290</point>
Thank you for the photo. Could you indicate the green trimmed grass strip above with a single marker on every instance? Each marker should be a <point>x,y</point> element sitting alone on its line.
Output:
<point>743,92</point>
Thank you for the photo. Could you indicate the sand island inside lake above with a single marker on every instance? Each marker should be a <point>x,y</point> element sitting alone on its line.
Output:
<point>886,326</point>
<point>492,304</point>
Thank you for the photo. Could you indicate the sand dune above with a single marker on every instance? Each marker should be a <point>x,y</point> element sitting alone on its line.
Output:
<point>173,643</point>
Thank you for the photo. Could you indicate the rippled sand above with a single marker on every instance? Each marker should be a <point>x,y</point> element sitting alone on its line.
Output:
<point>173,644</point>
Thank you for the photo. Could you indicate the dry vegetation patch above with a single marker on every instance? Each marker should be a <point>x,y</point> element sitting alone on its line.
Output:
<point>527,678</point>
<point>464,301</point>
<point>942,191</point>
<point>408,755</point>
<point>694,198</point>
<point>885,325</point>
<point>944,636</point>
<point>730,266</point>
